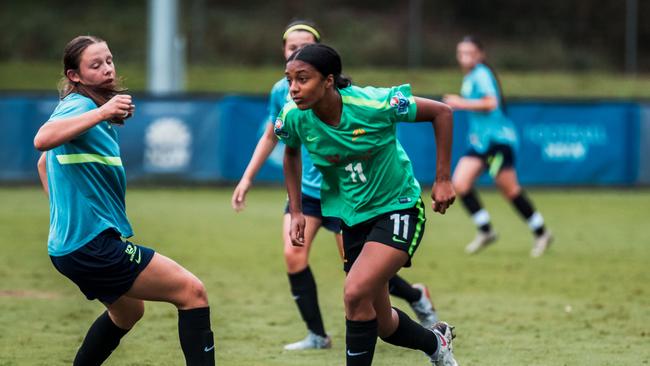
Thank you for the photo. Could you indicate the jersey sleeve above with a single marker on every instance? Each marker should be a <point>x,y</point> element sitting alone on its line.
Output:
<point>402,104</point>
<point>72,107</point>
<point>277,100</point>
<point>484,84</point>
<point>284,126</point>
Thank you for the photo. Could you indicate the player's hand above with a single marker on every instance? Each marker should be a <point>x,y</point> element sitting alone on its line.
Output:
<point>453,100</point>
<point>297,229</point>
<point>442,195</point>
<point>120,107</point>
<point>238,200</point>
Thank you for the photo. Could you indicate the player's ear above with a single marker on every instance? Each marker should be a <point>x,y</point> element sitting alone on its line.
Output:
<point>73,76</point>
<point>329,81</point>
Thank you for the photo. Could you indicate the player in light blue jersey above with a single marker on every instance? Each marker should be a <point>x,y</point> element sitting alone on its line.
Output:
<point>81,171</point>
<point>493,141</point>
<point>303,286</point>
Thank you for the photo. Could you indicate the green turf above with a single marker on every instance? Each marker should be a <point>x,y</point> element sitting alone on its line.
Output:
<point>509,309</point>
<point>233,79</point>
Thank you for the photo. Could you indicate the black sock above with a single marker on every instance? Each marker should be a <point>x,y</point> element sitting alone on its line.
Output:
<point>196,336</point>
<point>360,340</point>
<point>397,286</point>
<point>303,289</point>
<point>527,211</point>
<point>102,338</point>
<point>475,207</point>
<point>412,335</point>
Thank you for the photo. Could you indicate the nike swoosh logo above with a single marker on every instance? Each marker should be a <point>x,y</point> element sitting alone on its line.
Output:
<point>296,297</point>
<point>208,349</point>
<point>352,354</point>
<point>312,138</point>
<point>395,238</point>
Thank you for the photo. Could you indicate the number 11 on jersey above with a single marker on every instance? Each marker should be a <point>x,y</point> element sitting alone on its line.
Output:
<point>356,170</point>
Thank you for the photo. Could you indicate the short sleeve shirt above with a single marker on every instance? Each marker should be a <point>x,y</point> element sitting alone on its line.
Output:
<point>87,182</point>
<point>366,172</point>
<point>486,128</point>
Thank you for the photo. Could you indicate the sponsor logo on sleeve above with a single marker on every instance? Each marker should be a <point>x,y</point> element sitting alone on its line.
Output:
<point>400,103</point>
<point>278,129</point>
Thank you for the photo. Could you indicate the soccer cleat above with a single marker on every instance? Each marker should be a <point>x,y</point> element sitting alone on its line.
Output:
<point>424,308</point>
<point>312,341</point>
<point>481,241</point>
<point>444,356</point>
<point>541,244</point>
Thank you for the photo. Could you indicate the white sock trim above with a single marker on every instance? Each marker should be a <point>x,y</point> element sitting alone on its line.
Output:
<point>481,217</point>
<point>535,221</point>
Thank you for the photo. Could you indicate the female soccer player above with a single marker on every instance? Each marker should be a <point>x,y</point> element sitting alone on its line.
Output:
<point>83,174</point>
<point>350,135</point>
<point>493,141</point>
<point>303,286</point>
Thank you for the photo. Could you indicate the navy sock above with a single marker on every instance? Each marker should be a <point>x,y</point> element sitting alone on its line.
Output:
<point>360,340</point>
<point>475,208</point>
<point>525,208</point>
<point>100,341</point>
<point>412,335</point>
<point>303,289</point>
<point>397,286</point>
<point>196,336</point>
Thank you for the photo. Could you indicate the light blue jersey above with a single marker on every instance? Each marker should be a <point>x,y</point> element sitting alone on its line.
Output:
<point>87,183</point>
<point>311,177</point>
<point>486,128</point>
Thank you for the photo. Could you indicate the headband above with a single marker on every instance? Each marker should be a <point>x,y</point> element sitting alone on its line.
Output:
<point>303,27</point>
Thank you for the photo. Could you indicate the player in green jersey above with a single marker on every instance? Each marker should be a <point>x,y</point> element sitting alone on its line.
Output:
<point>368,182</point>
<point>301,279</point>
<point>493,142</point>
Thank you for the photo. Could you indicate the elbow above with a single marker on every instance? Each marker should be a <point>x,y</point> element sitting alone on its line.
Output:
<point>41,144</point>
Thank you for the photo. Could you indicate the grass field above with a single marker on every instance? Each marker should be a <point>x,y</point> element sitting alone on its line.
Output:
<point>233,79</point>
<point>585,303</point>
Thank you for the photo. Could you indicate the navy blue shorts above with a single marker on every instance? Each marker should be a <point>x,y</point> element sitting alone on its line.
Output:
<point>496,158</point>
<point>311,207</point>
<point>401,229</point>
<point>106,267</point>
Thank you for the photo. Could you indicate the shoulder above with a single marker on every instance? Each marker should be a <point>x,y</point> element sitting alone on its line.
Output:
<point>72,105</point>
<point>482,72</point>
<point>374,97</point>
<point>280,86</point>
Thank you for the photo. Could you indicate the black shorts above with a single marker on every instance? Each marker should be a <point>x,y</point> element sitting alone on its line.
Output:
<point>401,229</point>
<point>311,207</point>
<point>106,267</point>
<point>496,158</point>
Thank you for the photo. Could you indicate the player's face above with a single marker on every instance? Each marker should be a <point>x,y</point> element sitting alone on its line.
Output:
<point>95,67</point>
<point>468,55</point>
<point>297,40</point>
<point>307,86</point>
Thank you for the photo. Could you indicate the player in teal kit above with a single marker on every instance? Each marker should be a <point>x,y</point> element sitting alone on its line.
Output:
<point>83,175</point>
<point>303,286</point>
<point>493,142</point>
<point>350,135</point>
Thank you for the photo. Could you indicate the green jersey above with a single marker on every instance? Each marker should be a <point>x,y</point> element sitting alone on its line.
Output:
<point>366,172</point>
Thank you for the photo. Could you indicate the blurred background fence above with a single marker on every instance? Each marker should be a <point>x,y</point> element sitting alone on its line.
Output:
<point>209,139</point>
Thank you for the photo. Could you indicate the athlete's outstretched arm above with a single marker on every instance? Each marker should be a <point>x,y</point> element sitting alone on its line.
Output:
<point>485,104</point>
<point>42,172</point>
<point>292,177</point>
<point>264,147</point>
<point>56,133</point>
<point>442,118</point>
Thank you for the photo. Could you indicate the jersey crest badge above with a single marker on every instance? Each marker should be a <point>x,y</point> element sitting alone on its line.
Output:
<point>277,129</point>
<point>400,103</point>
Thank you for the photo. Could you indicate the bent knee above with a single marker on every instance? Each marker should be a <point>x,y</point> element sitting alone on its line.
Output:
<point>194,295</point>
<point>461,187</point>
<point>296,259</point>
<point>354,295</point>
